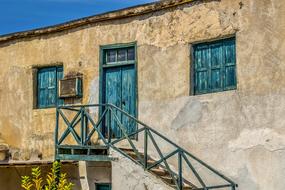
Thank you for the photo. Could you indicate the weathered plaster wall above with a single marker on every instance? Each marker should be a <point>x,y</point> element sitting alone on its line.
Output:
<point>240,132</point>
<point>10,177</point>
<point>84,175</point>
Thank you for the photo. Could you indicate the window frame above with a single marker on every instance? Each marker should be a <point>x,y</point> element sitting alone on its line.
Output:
<point>116,47</point>
<point>193,46</point>
<point>102,65</point>
<point>37,87</point>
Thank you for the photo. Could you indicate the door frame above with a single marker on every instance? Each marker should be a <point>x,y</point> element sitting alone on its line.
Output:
<point>103,48</point>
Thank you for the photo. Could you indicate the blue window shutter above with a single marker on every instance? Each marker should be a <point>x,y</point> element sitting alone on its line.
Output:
<point>216,74</point>
<point>201,69</point>
<point>42,86</point>
<point>230,64</point>
<point>51,87</point>
<point>215,66</point>
<point>47,86</point>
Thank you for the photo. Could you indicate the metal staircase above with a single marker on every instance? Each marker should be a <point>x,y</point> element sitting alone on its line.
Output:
<point>83,134</point>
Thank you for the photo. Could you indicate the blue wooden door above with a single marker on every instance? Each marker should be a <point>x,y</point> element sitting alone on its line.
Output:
<point>128,101</point>
<point>119,89</point>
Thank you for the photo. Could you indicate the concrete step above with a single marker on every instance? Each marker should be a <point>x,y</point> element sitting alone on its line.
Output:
<point>186,187</point>
<point>159,171</point>
<point>168,179</point>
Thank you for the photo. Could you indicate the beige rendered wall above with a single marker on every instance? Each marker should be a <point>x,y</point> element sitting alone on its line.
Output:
<point>95,173</point>
<point>127,175</point>
<point>240,132</point>
<point>10,176</point>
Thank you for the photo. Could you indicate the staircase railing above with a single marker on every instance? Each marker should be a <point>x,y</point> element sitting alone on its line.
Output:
<point>83,117</point>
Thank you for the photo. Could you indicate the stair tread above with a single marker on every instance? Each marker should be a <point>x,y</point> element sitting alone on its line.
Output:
<point>160,172</point>
<point>184,187</point>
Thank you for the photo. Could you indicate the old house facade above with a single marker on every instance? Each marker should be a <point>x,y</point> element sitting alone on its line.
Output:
<point>207,75</point>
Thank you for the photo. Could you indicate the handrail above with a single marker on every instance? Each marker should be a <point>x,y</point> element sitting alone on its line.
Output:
<point>107,117</point>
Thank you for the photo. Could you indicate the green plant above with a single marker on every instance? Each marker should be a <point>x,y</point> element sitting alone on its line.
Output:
<point>54,179</point>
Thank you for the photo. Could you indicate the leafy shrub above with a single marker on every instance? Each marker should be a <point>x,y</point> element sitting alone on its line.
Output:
<point>54,179</point>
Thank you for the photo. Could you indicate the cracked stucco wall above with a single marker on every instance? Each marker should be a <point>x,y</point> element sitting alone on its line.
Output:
<point>240,132</point>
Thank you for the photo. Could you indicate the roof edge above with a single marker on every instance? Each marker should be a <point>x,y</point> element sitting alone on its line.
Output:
<point>112,15</point>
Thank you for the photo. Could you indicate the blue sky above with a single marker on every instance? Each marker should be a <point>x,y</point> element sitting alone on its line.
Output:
<point>20,15</point>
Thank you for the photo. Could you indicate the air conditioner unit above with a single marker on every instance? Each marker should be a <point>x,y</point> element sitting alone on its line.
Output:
<point>70,88</point>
